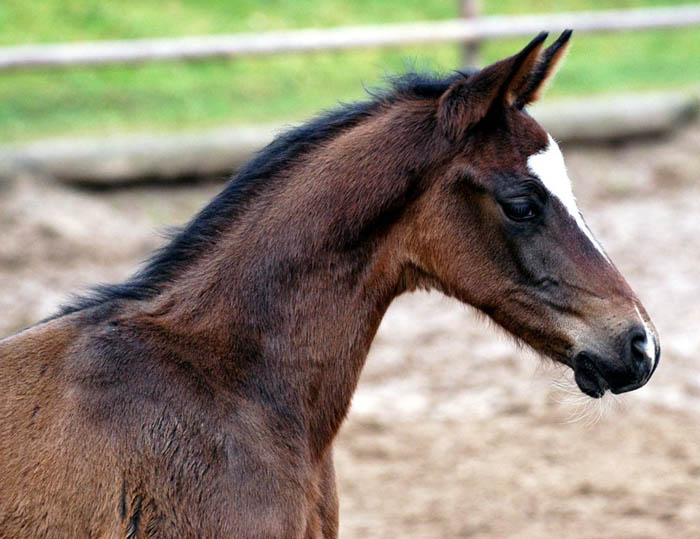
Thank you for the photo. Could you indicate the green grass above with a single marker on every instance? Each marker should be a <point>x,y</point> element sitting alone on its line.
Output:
<point>169,95</point>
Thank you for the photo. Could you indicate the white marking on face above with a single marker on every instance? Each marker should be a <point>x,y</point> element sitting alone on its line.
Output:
<point>548,165</point>
<point>650,347</point>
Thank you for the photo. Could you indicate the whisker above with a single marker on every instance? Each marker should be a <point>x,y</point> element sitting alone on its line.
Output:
<point>582,408</point>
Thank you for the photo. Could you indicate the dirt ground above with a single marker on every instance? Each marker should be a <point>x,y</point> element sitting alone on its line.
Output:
<point>454,430</point>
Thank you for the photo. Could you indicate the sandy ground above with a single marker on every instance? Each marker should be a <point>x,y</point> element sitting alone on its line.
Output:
<point>454,431</point>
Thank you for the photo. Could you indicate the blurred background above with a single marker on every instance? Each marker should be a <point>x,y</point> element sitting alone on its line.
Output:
<point>454,431</point>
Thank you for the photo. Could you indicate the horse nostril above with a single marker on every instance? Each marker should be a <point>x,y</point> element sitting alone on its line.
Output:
<point>636,363</point>
<point>638,353</point>
<point>638,348</point>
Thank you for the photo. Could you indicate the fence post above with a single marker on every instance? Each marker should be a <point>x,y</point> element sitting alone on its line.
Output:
<point>469,9</point>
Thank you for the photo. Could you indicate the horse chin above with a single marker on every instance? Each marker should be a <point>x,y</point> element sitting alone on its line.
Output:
<point>588,379</point>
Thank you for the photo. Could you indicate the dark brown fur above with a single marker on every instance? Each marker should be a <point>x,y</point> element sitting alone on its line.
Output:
<point>206,404</point>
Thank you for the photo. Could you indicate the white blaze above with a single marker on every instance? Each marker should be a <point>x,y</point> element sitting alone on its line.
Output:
<point>548,165</point>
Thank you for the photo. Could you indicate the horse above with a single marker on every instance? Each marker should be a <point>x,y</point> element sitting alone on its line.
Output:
<point>201,397</point>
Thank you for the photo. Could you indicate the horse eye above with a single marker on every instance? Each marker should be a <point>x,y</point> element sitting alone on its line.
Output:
<point>520,210</point>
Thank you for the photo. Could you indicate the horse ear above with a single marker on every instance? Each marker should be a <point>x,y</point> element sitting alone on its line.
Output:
<point>544,70</point>
<point>469,99</point>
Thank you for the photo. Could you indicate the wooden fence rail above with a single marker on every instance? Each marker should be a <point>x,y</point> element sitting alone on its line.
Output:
<point>390,35</point>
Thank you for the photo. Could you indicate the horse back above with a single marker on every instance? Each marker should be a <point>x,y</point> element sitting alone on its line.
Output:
<point>32,370</point>
<point>41,451</point>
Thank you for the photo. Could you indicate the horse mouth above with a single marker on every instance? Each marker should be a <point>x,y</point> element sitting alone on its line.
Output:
<point>588,378</point>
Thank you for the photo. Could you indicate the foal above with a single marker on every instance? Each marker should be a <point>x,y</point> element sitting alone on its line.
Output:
<point>201,397</point>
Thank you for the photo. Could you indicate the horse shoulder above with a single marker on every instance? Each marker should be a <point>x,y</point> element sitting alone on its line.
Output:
<point>107,428</point>
<point>187,438</point>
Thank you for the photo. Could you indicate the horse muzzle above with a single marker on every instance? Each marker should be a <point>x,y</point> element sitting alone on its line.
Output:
<point>637,357</point>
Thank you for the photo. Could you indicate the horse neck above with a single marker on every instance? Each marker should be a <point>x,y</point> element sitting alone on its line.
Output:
<point>295,290</point>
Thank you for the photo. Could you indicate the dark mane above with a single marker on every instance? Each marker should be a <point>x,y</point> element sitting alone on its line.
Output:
<point>188,242</point>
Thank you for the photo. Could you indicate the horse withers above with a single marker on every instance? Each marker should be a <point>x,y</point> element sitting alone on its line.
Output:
<point>201,397</point>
